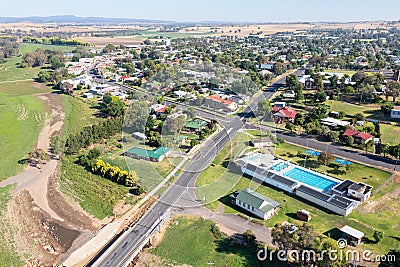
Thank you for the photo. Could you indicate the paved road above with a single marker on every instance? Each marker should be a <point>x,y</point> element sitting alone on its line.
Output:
<point>120,251</point>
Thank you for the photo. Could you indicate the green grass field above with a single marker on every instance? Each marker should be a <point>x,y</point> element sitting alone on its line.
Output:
<point>8,256</point>
<point>191,241</point>
<point>26,47</point>
<point>390,133</point>
<point>221,182</point>
<point>78,114</point>
<point>150,173</point>
<point>22,115</point>
<point>350,109</point>
<point>10,72</point>
<point>95,194</point>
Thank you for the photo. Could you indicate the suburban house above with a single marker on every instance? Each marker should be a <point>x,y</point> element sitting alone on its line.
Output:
<point>282,114</point>
<point>267,66</point>
<point>216,102</point>
<point>158,108</point>
<point>306,81</point>
<point>261,142</point>
<point>359,137</point>
<point>395,113</point>
<point>139,136</point>
<point>195,125</point>
<point>157,154</point>
<point>331,122</point>
<point>255,203</point>
<point>352,235</point>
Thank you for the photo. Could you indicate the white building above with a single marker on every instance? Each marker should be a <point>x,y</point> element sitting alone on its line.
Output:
<point>256,203</point>
<point>395,114</point>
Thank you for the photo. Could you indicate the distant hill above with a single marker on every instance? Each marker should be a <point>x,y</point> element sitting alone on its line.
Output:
<point>68,19</point>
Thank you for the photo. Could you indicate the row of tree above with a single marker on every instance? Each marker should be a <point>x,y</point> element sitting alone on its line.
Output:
<point>115,174</point>
<point>54,41</point>
<point>92,134</point>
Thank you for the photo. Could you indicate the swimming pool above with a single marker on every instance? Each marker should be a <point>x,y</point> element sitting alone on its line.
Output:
<point>255,157</point>
<point>280,166</point>
<point>310,178</point>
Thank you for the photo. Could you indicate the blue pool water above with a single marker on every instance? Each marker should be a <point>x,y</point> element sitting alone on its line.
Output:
<point>310,178</point>
<point>280,166</point>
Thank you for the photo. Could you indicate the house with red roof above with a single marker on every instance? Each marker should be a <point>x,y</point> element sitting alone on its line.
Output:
<point>216,102</point>
<point>282,114</point>
<point>359,137</point>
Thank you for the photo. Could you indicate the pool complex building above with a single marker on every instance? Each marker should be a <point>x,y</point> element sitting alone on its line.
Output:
<point>338,196</point>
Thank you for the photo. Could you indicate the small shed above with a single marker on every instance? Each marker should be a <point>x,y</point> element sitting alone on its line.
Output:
<point>352,235</point>
<point>303,215</point>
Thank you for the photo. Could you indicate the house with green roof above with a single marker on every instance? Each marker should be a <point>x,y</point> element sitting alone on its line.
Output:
<point>157,154</point>
<point>195,125</point>
<point>255,203</point>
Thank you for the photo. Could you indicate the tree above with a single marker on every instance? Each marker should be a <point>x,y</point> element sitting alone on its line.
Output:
<point>384,149</point>
<point>113,105</point>
<point>194,142</point>
<point>350,168</point>
<point>56,63</point>
<point>378,236</point>
<point>368,145</point>
<point>264,108</point>
<point>386,108</point>
<point>173,125</point>
<point>349,140</point>
<point>249,238</point>
<point>333,136</point>
<point>57,143</point>
<point>394,89</point>
<point>290,126</point>
<point>291,81</point>
<point>320,96</point>
<point>326,157</point>
<point>279,68</point>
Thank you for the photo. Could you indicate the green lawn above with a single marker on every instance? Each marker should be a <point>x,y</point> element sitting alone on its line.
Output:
<point>8,256</point>
<point>190,240</point>
<point>221,182</point>
<point>390,133</point>
<point>95,194</point>
<point>26,47</point>
<point>22,115</point>
<point>10,72</point>
<point>78,114</point>
<point>150,173</point>
<point>350,109</point>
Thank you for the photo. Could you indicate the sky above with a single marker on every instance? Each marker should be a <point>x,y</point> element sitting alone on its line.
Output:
<point>211,10</point>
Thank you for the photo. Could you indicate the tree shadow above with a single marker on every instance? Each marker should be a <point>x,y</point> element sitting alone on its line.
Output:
<point>292,215</point>
<point>397,238</point>
<point>334,233</point>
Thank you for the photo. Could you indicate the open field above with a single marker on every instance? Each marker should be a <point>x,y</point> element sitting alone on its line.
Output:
<point>22,115</point>
<point>390,133</point>
<point>224,181</point>
<point>351,109</point>
<point>10,72</point>
<point>150,173</point>
<point>78,114</point>
<point>8,256</point>
<point>201,245</point>
<point>95,194</point>
<point>26,47</point>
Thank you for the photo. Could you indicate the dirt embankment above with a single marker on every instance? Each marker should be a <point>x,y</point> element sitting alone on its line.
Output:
<point>49,224</point>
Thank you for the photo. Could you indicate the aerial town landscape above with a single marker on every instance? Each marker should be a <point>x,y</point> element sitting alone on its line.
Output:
<point>172,137</point>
